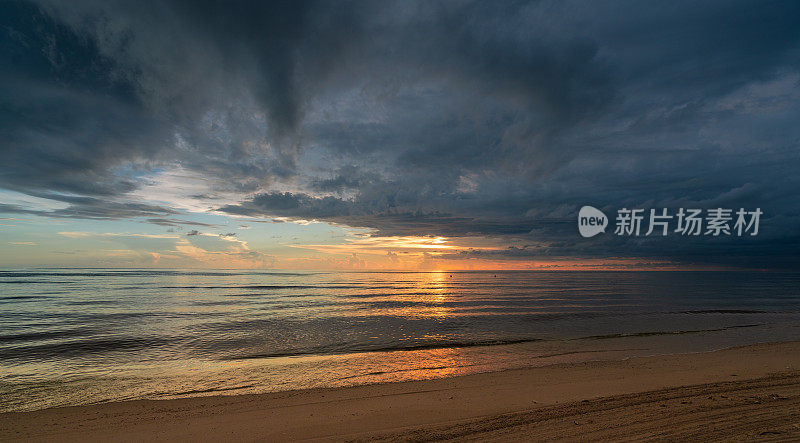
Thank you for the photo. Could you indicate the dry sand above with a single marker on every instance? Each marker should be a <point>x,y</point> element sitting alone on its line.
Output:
<point>747,393</point>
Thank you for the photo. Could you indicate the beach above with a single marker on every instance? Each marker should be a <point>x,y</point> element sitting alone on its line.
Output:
<point>418,220</point>
<point>744,393</point>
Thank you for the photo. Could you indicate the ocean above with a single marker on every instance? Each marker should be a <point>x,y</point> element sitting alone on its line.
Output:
<point>81,336</point>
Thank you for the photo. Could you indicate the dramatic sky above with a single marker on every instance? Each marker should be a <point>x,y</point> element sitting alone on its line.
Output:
<point>393,135</point>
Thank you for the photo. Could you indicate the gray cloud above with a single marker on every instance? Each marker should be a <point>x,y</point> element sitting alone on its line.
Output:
<point>176,222</point>
<point>441,118</point>
<point>94,209</point>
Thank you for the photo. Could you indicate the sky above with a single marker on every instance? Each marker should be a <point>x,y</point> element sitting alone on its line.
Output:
<point>408,135</point>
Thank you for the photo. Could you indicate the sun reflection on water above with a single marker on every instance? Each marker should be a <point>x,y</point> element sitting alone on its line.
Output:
<point>436,291</point>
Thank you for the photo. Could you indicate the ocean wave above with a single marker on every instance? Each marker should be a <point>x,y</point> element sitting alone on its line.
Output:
<point>727,311</point>
<point>262,287</point>
<point>448,344</point>
<point>23,298</point>
<point>400,371</point>
<point>652,333</point>
<point>32,282</point>
<point>46,335</point>
<point>209,390</point>
<point>145,273</point>
<point>80,348</point>
<point>393,348</point>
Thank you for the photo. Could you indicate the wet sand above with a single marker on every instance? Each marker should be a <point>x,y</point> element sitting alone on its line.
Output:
<point>744,393</point>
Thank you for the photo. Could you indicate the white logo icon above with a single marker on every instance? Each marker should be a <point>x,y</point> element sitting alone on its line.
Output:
<point>591,221</point>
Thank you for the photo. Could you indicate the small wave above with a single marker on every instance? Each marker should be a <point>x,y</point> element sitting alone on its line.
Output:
<point>424,368</point>
<point>209,390</point>
<point>727,311</point>
<point>23,298</point>
<point>141,273</point>
<point>265,287</point>
<point>357,350</point>
<point>79,348</point>
<point>45,335</point>
<point>32,282</point>
<point>588,351</point>
<point>91,302</point>
<point>216,303</point>
<point>651,333</point>
<point>433,368</point>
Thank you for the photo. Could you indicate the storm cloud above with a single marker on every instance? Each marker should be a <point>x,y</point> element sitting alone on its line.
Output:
<point>414,118</point>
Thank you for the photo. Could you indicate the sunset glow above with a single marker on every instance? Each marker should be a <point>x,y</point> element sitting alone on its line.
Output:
<point>237,149</point>
<point>413,220</point>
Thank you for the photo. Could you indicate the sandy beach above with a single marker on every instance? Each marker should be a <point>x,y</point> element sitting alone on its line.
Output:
<point>750,392</point>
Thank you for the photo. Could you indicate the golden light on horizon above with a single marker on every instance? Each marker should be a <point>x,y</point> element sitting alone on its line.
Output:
<point>394,243</point>
<point>439,254</point>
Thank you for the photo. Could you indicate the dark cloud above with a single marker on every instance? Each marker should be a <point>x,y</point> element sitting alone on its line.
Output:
<point>94,209</point>
<point>175,222</point>
<point>441,118</point>
<point>66,125</point>
<point>291,205</point>
<point>346,178</point>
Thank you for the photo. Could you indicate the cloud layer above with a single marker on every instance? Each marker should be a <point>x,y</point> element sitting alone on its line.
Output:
<point>457,119</point>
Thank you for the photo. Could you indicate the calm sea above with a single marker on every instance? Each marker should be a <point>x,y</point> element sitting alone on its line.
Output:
<point>77,336</point>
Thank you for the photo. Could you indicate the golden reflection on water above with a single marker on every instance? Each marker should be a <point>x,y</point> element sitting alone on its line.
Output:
<point>443,362</point>
<point>135,334</point>
<point>435,290</point>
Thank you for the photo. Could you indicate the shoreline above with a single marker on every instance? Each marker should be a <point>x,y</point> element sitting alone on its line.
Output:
<point>490,404</point>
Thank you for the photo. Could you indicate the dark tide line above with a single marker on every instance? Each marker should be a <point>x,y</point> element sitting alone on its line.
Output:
<point>46,335</point>
<point>262,287</point>
<point>133,273</point>
<point>446,345</point>
<point>33,282</point>
<point>555,354</point>
<point>79,348</point>
<point>652,333</point>
<point>468,344</point>
<point>24,298</point>
<point>209,390</point>
<point>728,311</point>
